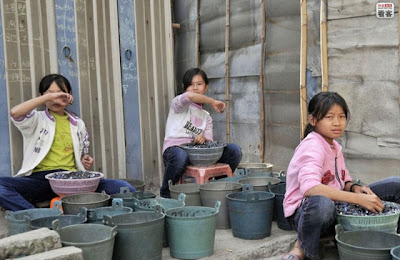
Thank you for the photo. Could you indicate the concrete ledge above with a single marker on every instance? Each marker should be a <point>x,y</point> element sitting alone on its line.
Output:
<point>64,253</point>
<point>29,243</point>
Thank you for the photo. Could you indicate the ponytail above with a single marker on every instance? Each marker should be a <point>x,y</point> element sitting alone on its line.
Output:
<point>309,129</point>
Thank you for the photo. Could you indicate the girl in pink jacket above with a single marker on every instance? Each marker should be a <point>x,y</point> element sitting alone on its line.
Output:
<point>317,176</point>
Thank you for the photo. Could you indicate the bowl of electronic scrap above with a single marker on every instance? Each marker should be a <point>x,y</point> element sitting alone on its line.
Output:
<point>353,217</point>
<point>74,182</point>
<point>204,154</point>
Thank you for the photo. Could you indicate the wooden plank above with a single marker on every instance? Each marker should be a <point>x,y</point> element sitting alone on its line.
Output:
<point>303,68</point>
<point>324,47</point>
<point>5,156</point>
<point>157,15</point>
<point>13,76</point>
<point>146,90</point>
<point>112,171</point>
<point>119,150</point>
<point>94,125</point>
<point>262,106</point>
<point>100,73</point>
<point>227,98</point>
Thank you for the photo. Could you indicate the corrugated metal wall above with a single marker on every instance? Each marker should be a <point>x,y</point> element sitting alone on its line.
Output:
<point>262,54</point>
<point>118,57</point>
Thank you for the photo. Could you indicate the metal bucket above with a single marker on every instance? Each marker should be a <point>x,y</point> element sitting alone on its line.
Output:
<point>385,223</point>
<point>279,191</point>
<point>139,234</point>
<point>73,203</point>
<point>280,175</point>
<point>248,168</point>
<point>365,245</point>
<point>191,190</point>
<point>64,220</point>
<point>395,252</point>
<point>149,204</point>
<point>260,183</point>
<point>16,222</point>
<point>117,208</point>
<point>212,192</point>
<point>137,184</point>
<point>95,240</point>
<point>250,213</point>
<point>127,196</point>
<point>191,231</point>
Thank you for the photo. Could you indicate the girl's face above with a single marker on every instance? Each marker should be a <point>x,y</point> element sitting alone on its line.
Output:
<point>53,105</point>
<point>198,85</point>
<point>332,125</point>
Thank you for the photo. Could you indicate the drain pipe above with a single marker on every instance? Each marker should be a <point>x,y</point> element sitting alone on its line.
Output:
<point>262,108</point>
<point>324,46</point>
<point>303,68</point>
<point>227,99</point>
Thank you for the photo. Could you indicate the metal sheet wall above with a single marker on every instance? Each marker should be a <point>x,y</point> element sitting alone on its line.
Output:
<point>118,57</point>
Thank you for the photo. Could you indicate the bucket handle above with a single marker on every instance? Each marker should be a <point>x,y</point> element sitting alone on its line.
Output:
<point>9,215</point>
<point>117,203</point>
<point>124,190</point>
<point>339,229</point>
<point>252,197</point>
<point>56,224</point>
<point>83,212</point>
<point>28,222</point>
<point>247,187</point>
<point>136,202</point>
<point>57,204</point>
<point>241,172</point>
<point>217,206</point>
<point>182,197</point>
<point>113,231</point>
<point>170,184</point>
<point>107,220</point>
<point>159,209</point>
<point>92,214</point>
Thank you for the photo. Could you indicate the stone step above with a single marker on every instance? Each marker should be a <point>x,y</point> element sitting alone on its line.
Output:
<point>64,253</point>
<point>29,243</point>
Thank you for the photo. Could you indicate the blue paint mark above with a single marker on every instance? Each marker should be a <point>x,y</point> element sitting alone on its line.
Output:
<point>5,157</point>
<point>126,11</point>
<point>66,47</point>
<point>311,85</point>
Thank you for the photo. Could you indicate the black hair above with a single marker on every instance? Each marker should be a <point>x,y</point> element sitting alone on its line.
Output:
<point>321,103</point>
<point>60,80</point>
<point>188,77</point>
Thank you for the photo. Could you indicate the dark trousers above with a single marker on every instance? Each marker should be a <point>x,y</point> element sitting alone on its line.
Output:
<point>18,193</point>
<point>176,159</point>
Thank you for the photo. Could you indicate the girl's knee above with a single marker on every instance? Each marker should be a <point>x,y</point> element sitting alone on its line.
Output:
<point>324,208</point>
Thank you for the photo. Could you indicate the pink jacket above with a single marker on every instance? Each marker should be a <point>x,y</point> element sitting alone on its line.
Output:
<point>313,163</point>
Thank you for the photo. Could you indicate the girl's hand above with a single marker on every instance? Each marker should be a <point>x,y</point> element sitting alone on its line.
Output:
<point>363,189</point>
<point>61,98</point>
<point>371,202</point>
<point>218,106</point>
<point>199,139</point>
<point>87,161</point>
